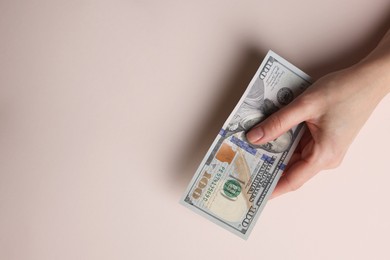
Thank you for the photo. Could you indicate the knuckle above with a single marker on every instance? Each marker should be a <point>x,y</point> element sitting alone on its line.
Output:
<point>335,162</point>
<point>309,104</point>
<point>275,123</point>
<point>293,185</point>
<point>333,159</point>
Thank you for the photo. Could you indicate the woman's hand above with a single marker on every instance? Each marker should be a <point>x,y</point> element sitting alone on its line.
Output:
<point>334,108</point>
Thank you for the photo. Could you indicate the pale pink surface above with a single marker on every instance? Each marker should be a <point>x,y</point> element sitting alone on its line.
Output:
<point>107,108</point>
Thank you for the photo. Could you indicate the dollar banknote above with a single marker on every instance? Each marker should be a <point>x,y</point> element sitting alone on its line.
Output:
<point>233,182</point>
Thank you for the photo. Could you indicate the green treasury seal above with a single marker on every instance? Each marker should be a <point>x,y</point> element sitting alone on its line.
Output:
<point>232,188</point>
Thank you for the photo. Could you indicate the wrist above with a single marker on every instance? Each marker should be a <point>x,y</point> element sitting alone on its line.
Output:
<point>376,66</point>
<point>374,73</point>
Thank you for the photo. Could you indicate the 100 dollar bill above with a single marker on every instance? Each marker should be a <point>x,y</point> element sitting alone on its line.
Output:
<point>232,184</point>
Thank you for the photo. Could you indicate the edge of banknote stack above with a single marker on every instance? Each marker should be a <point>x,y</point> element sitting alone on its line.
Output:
<point>235,178</point>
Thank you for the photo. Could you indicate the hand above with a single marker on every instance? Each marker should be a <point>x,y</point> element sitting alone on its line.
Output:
<point>334,109</point>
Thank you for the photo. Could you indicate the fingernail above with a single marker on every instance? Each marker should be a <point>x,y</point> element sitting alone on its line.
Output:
<point>255,134</point>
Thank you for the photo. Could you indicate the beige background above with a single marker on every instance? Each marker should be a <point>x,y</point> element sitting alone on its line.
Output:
<point>107,107</point>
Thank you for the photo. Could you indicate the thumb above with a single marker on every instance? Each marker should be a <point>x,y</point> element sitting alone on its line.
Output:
<point>278,123</point>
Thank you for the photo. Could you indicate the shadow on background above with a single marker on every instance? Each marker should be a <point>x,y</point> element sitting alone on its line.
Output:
<point>343,59</point>
<point>234,86</point>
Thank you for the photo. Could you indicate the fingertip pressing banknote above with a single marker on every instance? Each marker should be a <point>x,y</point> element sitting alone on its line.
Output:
<point>235,179</point>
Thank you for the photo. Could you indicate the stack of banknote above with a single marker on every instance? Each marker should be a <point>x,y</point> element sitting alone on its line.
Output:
<point>233,182</point>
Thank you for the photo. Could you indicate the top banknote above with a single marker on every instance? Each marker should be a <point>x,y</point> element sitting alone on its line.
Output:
<point>233,182</point>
